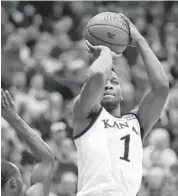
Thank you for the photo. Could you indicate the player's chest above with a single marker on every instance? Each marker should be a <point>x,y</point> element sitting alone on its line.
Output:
<point>110,131</point>
<point>118,127</point>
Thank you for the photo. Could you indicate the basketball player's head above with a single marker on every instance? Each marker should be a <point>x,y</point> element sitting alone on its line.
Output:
<point>112,92</point>
<point>11,180</point>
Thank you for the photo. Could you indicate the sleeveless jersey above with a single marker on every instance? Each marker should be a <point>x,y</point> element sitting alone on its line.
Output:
<point>110,156</point>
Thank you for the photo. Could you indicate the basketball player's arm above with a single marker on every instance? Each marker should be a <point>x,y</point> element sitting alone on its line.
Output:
<point>153,102</point>
<point>42,174</point>
<point>90,96</point>
<point>151,106</point>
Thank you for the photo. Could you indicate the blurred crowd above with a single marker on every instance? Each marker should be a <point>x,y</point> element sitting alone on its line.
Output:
<point>44,62</point>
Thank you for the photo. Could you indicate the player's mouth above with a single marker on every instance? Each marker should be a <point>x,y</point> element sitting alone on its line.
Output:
<point>108,93</point>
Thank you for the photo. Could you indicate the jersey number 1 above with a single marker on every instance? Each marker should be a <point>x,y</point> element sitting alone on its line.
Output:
<point>126,149</point>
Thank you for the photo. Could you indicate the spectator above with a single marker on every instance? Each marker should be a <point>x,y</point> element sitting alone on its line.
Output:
<point>158,150</point>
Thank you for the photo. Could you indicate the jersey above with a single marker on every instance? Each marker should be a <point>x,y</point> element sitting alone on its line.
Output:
<point>110,156</point>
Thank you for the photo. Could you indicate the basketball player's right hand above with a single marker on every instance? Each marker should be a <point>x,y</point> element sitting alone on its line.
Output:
<point>96,50</point>
<point>8,110</point>
<point>134,33</point>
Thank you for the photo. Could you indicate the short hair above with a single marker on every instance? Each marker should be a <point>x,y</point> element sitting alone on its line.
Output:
<point>113,70</point>
<point>8,170</point>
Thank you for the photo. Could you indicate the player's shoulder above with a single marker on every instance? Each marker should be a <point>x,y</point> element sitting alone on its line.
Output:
<point>76,106</point>
<point>132,115</point>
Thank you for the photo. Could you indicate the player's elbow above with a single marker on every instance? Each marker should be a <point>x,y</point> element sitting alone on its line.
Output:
<point>52,158</point>
<point>161,84</point>
<point>165,87</point>
<point>49,158</point>
<point>165,84</point>
<point>50,162</point>
<point>162,90</point>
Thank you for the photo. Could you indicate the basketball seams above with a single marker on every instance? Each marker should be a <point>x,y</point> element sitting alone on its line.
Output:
<point>109,29</point>
<point>103,40</point>
<point>91,21</point>
<point>108,26</point>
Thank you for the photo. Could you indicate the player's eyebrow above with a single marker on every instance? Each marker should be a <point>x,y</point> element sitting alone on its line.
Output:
<point>114,78</point>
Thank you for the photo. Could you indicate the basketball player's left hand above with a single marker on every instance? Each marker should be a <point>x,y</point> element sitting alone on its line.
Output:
<point>134,33</point>
<point>8,110</point>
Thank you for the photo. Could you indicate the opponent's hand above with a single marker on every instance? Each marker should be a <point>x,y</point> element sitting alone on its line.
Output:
<point>96,50</point>
<point>8,110</point>
<point>134,33</point>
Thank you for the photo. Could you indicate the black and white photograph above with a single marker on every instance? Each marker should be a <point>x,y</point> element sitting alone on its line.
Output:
<point>89,98</point>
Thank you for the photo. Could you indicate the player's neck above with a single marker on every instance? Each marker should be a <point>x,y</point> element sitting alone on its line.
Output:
<point>115,112</point>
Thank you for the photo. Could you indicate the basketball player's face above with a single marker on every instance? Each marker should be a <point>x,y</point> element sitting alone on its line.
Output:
<point>112,92</point>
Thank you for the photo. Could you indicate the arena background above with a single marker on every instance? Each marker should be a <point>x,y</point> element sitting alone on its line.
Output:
<point>44,62</point>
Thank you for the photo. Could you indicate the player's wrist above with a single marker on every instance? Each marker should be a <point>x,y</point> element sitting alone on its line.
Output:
<point>139,39</point>
<point>106,54</point>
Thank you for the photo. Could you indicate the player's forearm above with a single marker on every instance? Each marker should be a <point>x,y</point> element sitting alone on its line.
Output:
<point>102,65</point>
<point>37,146</point>
<point>156,74</point>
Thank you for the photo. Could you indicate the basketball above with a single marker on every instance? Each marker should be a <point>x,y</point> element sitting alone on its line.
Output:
<point>108,29</point>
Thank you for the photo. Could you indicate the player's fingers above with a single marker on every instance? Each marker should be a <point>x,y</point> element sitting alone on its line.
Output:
<point>88,49</point>
<point>118,55</point>
<point>4,101</point>
<point>95,48</point>
<point>91,47</point>
<point>9,98</point>
<point>3,96</point>
<point>114,55</point>
<point>125,18</point>
<point>130,24</point>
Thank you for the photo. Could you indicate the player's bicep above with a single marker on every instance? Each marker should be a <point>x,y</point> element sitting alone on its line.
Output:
<point>90,95</point>
<point>150,109</point>
<point>41,179</point>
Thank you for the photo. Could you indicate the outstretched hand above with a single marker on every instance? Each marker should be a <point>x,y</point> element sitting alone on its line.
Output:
<point>8,110</point>
<point>134,33</point>
<point>96,50</point>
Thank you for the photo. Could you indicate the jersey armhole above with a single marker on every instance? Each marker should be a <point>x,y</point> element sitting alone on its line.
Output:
<point>141,128</point>
<point>89,126</point>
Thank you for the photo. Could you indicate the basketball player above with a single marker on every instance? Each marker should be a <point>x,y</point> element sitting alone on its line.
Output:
<point>42,174</point>
<point>109,145</point>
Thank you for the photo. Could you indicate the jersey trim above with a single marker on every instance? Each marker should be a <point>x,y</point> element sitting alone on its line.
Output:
<point>89,126</point>
<point>118,116</point>
<point>141,128</point>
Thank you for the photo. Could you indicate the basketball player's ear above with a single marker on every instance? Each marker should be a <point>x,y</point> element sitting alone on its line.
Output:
<point>12,183</point>
<point>121,97</point>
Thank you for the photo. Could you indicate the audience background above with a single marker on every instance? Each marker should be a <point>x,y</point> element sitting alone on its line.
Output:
<point>44,62</point>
